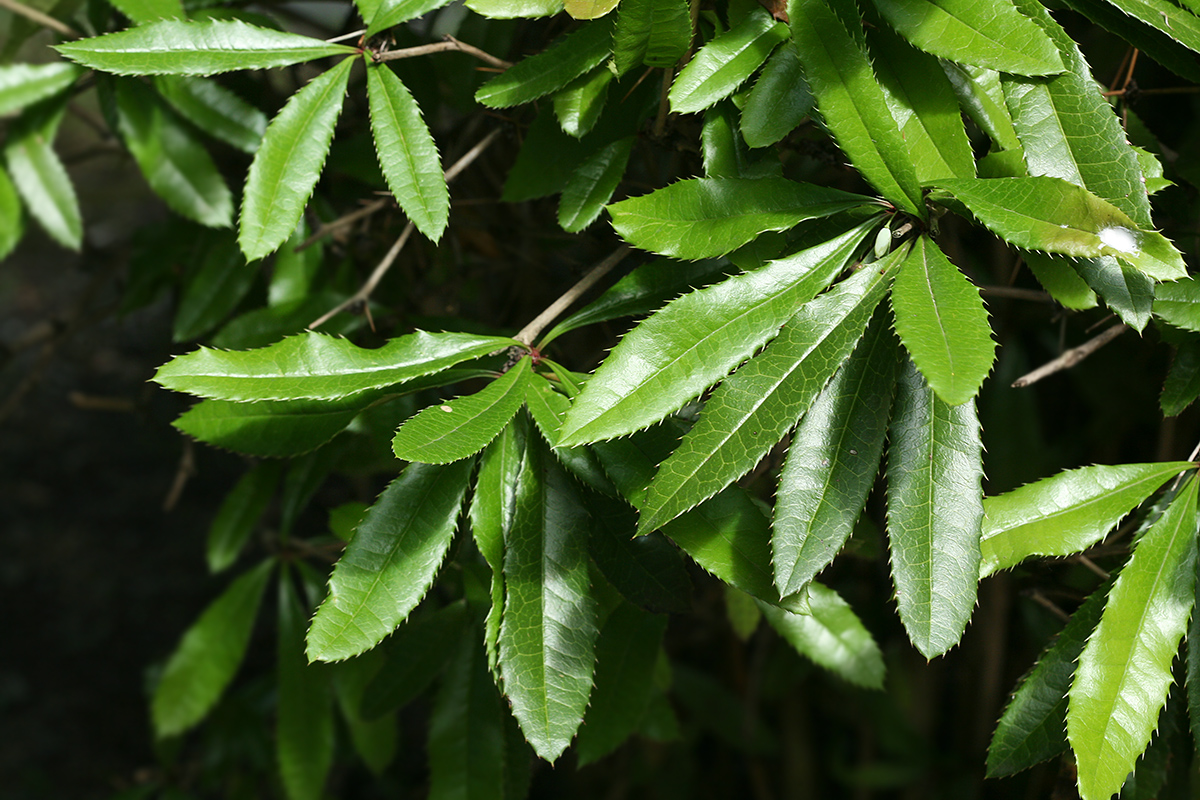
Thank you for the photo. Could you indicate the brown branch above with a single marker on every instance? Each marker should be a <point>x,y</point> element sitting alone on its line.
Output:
<point>40,18</point>
<point>342,221</point>
<point>1071,357</point>
<point>539,323</point>
<point>448,43</point>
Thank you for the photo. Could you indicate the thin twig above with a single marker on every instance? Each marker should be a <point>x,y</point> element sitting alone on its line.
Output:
<point>184,473</point>
<point>364,293</point>
<point>40,18</point>
<point>1071,357</point>
<point>1093,566</point>
<point>534,328</point>
<point>448,43</point>
<point>345,36</point>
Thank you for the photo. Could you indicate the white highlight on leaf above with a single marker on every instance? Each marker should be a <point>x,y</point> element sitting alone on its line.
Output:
<point>447,409</point>
<point>1118,238</point>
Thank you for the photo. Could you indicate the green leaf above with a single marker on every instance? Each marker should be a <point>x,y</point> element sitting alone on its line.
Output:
<point>592,185</point>
<point>407,153</point>
<point>724,64</point>
<point>695,340</point>
<point>1179,303</point>
<point>942,322</point>
<point>852,103</point>
<point>656,33</point>
<point>548,407</point>
<point>391,561</point>
<point>509,9</point>
<point>141,11</point>
<point>1045,213</point>
<point>579,103</point>
<point>833,460</point>
<point>466,729</point>
<point>221,281</point>
<point>390,13</point>
<point>1127,291</point>
<point>934,513</point>
<point>705,217</point>
<point>832,636</point>
<point>1066,513</point>
<point>980,95</point>
<point>589,9</point>
<point>1033,727</point>
<point>1179,24</point>
<point>375,738</point>
<point>1182,385</point>
<point>208,655</point>
<point>779,101</point>
<point>994,35</point>
<point>416,653</point>
<point>462,427</point>
<point>22,85</point>
<point>318,367</point>
<point>1059,279</point>
<point>548,631</point>
<point>1157,42</point>
<point>1124,672</point>
<point>626,653</point>
<point>647,570</point>
<point>539,75</point>
<point>748,413</point>
<point>304,737</point>
<point>239,514</point>
<point>177,47</point>
<point>215,110</point>
<point>12,224</point>
<point>725,152</point>
<point>39,174</point>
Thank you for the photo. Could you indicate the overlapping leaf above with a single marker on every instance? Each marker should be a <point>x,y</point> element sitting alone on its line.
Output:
<point>1178,23</point>
<point>509,9</point>
<point>23,85</point>
<point>215,110</point>
<point>1179,303</point>
<point>651,32</point>
<point>414,656</point>
<point>39,175</point>
<point>141,11</point>
<point>1059,278</point>
<point>722,65</point>
<point>393,12</point>
<point>779,101</point>
<point>592,185</point>
<point>1125,290</point>
<point>304,734</point>
<point>1182,384</point>
<point>589,9</point>
<point>539,75</point>
<point>579,103</point>
<point>239,514</point>
<point>726,154</point>
<point>12,227</point>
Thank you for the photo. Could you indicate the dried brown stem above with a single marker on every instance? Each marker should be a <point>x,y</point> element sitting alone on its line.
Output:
<point>448,43</point>
<point>539,323</point>
<point>40,18</point>
<point>1071,357</point>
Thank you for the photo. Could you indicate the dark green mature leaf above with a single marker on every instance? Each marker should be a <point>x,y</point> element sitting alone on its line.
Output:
<point>391,561</point>
<point>1180,24</point>
<point>647,570</point>
<point>416,653</point>
<point>592,185</point>
<point>1157,43</point>
<point>393,12</point>
<point>626,653</point>
<point>23,85</point>
<point>239,513</point>
<point>832,636</point>
<point>215,110</point>
<point>141,11</point>
<point>287,166</point>
<point>1033,727</point>
<point>177,47</point>
<point>1182,384</point>
<point>1179,303</point>
<point>833,459</point>
<point>779,101</point>
<point>993,35</point>
<point>374,738</point>
<point>579,103</point>
<point>705,217</point>
<point>942,322</point>
<point>1124,672</point>
<point>726,154</point>
<point>1066,513</point>
<point>208,655</point>
<point>1045,213</point>
<point>1057,277</point>
<point>212,293</point>
<point>722,65</point>
<point>695,340</point>
<point>318,367</point>
<point>935,511</point>
<point>852,103</point>
<point>548,632</point>
<point>754,407</point>
<point>548,407</point>
<point>462,427</point>
<point>304,737</point>
<point>466,728</point>
<point>652,32</point>
<point>12,227</point>
<point>1127,291</point>
<point>407,153</point>
<point>39,174</point>
<point>537,76</point>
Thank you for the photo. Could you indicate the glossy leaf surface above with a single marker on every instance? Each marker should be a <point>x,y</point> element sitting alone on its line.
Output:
<point>539,75</point>
<point>579,103</point>
<point>1125,290</point>
<point>592,185</point>
<point>651,32</point>
<point>39,175</point>
<point>393,12</point>
<point>1059,278</point>
<point>271,429</point>
<point>215,110</point>
<point>23,85</point>
<point>1179,303</point>
<point>1177,23</point>
<point>832,636</point>
<point>779,101</point>
<point>722,65</point>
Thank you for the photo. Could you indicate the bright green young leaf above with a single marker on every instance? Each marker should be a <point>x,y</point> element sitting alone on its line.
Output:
<point>749,412</point>
<point>466,728</point>
<point>592,185</point>
<point>724,64</point>
<point>589,9</point>
<point>832,636</point>
<point>993,34</point>
<point>318,367</point>
<point>12,223</point>
<point>304,735</point>
<point>705,217</point>
<point>177,47</point>
<point>539,75</point>
<point>391,561</point>
<point>779,101</point>
<point>1182,384</point>
<point>141,11</point>
<point>221,281</point>
<point>1179,303</point>
<point>981,97</point>
<point>239,513</point>
<point>22,85</point>
<point>548,407</point>
<point>1059,279</point>
<point>462,427</point>
<point>833,460</point>
<point>415,655</point>
<point>390,13</point>
<point>215,110</point>
<point>935,511</point>
<point>852,103</point>
<point>1033,727</point>
<point>579,103</point>
<point>1045,213</point>
<point>510,9</point>
<point>1124,672</point>
<point>942,322</point>
<point>548,631</point>
<point>626,653</point>
<point>287,166</point>
<point>652,32</point>
<point>176,166</point>
<point>695,340</point>
<point>1066,513</point>
<point>407,153</point>
<point>208,655</point>
<point>1125,290</point>
<point>39,174</point>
